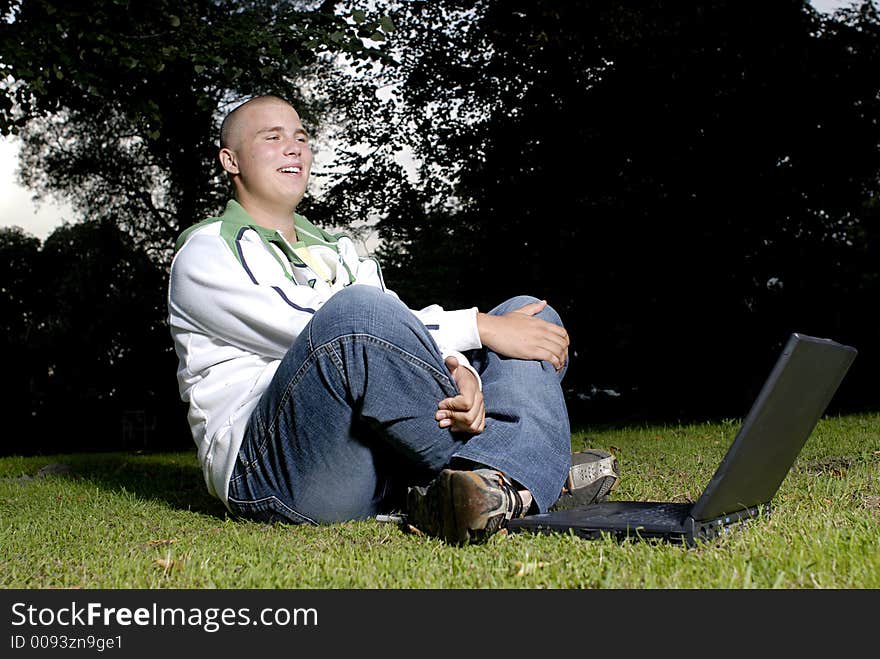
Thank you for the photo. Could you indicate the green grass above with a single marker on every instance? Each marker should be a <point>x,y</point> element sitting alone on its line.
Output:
<point>146,521</point>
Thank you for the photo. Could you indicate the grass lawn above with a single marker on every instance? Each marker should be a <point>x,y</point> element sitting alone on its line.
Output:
<point>145,521</point>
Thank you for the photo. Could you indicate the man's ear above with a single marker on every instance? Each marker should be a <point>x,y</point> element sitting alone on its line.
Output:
<point>228,160</point>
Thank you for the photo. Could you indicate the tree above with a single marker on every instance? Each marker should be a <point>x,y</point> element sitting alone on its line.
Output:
<point>87,349</point>
<point>671,176</point>
<point>117,102</point>
<point>660,172</point>
<point>21,306</point>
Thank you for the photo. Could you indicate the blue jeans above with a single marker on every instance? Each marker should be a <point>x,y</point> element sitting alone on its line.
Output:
<point>347,423</point>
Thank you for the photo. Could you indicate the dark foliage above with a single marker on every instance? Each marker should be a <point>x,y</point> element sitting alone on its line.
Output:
<point>91,362</point>
<point>687,183</point>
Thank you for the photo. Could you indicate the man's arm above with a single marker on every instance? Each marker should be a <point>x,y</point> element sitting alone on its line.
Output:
<point>464,412</point>
<point>519,334</point>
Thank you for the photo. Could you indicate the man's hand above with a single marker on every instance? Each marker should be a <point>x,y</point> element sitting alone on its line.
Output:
<point>464,412</point>
<point>520,335</point>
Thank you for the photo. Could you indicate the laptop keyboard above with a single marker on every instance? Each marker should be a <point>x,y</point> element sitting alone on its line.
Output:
<point>663,512</point>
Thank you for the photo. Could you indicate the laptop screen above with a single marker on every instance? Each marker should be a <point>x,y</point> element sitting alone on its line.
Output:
<point>791,402</point>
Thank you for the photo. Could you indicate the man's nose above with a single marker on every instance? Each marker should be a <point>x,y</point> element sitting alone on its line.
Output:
<point>293,147</point>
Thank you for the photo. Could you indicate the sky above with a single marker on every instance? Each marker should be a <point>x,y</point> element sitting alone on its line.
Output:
<point>16,205</point>
<point>39,219</point>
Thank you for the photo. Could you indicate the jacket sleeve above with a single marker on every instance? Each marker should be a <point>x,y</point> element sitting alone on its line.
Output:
<point>249,304</point>
<point>453,331</point>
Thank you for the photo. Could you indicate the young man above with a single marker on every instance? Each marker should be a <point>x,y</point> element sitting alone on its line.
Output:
<point>315,395</point>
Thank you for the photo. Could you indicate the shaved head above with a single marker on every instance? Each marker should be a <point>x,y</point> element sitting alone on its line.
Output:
<point>229,129</point>
<point>265,153</point>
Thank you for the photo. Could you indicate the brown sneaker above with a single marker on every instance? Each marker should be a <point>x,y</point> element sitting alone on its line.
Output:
<point>463,506</point>
<point>593,475</point>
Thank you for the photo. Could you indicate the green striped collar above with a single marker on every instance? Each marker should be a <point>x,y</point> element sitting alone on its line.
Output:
<point>236,216</point>
<point>307,234</point>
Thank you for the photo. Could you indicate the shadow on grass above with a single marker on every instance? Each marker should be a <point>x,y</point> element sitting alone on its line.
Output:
<point>173,479</point>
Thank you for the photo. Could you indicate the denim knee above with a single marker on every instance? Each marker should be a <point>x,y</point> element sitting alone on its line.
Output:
<point>358,310</point>
<point>548,313</point>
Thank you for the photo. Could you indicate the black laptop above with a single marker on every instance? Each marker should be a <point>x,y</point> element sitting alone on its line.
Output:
<point>791,402</point>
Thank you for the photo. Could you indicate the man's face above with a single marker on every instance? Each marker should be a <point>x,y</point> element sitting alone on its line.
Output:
<point>269,155</point>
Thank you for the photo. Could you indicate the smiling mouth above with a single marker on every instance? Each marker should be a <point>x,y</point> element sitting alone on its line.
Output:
<point>291,170</point>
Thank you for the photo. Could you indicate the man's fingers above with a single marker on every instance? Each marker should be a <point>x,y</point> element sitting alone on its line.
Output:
<point>556,357</point>
<point>455,404</point>
<point>481,420</point>
<point>532,308</point>
<point>555,343</point>
<point>553,350</point>
<point>460,403</point>
<point>551,330</point>
<point>462,414</point>
<point>464,422</point>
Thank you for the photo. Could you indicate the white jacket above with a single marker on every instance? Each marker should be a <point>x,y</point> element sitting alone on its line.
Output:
<point>238,297</point>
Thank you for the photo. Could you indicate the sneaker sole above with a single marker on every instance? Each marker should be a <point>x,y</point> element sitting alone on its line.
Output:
<point>584,473</point>
<point>589,481</point>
